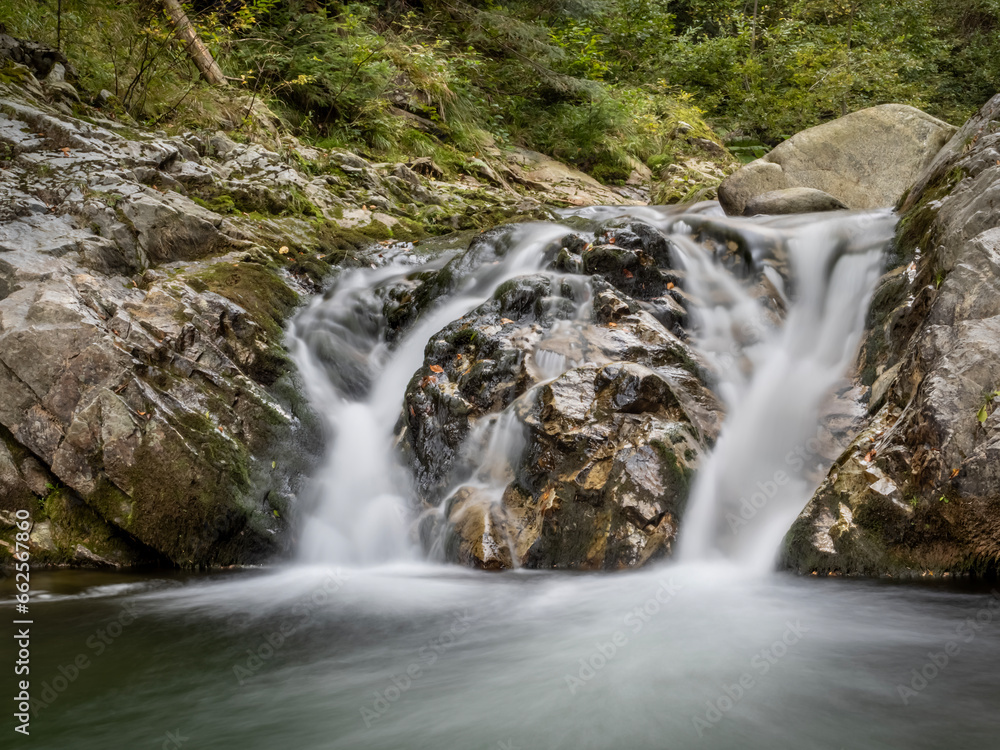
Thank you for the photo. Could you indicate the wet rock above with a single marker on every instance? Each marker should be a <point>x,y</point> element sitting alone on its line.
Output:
<point>587,470</point>
<point>917,492</point>
<point>866,159</point>
<point>147,414</point>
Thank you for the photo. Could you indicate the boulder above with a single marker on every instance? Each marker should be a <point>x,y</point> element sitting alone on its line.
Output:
<point>557,426</point>
<point>918,491</point>
<point>866,159</point>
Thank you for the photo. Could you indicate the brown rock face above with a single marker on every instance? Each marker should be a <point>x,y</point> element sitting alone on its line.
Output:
<point>582,465</point>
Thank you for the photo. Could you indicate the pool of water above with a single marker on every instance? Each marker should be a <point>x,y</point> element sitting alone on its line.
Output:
<point>421,656</point>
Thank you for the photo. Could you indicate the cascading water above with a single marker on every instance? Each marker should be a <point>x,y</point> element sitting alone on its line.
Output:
<point>356,382</point>
<point>773,375</point>
<point>774,380</point>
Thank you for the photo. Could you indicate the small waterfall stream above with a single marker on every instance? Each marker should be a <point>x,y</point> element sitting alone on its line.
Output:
<point>773,373</point>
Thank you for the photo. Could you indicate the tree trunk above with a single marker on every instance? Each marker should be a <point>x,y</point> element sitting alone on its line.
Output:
<point>199,53</point>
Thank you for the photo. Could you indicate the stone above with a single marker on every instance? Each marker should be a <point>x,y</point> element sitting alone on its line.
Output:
<point>918,491</point>
<point>866,159</point>
<point>604,421</point>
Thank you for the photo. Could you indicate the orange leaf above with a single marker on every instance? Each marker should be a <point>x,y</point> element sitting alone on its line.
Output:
<point>870,456</point>
<point>954,473</point>
<point>627,273</point>
<point>506,321</point>
<point>612,324</point>
<point>437,368</point>
<point>670,285</point>
<point>611,240</point>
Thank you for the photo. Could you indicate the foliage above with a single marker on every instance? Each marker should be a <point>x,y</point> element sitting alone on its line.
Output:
<point>805,61</point>
<point>602,84</point>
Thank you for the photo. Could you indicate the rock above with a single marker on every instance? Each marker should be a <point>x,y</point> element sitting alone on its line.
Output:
<point>596,463</point>
<point>866,159</point>
<point>141,410</point>
<point>38,58</point>
<point>560,181</point>
<point>799,200</point>
<point>56,75</point>
<point>917,491</point>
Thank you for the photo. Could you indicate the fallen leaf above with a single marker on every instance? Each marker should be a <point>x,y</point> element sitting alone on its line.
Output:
<point>612,324</point>
<point>283,249</point>
<point>982,416</point>
<point>954,473</point>
<point>142,413</point>
<point>627,274</point>
<point>412,413</point>
<point>506,321</point>
<point>274,464</point>
<point>611,240</point>
<point>870,456</point>
<point>65,151</point>
<point>670,285</point>
<point>437,368</point>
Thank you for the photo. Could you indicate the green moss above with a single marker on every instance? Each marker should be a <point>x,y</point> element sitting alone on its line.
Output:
<point>915,228</point>
<point>220,204</point>
<point>376,230</point>
<point>258,290</point>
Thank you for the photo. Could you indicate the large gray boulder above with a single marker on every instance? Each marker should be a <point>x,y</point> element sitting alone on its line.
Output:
<point>919,490</point>
<point>866,159</point>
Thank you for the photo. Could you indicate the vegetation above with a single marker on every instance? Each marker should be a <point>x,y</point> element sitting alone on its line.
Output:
<point>603,84</point>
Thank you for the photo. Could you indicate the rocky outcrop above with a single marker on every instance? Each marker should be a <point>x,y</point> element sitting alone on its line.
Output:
<point>866,159</point>
<point>588,470</point>
<point>148,409</point>
<point>919,491</point>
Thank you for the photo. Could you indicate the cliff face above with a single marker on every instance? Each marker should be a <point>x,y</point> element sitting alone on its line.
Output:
<point>919,489</point>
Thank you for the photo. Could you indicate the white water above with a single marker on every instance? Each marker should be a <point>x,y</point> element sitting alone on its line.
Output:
<point>363,515</point>
<point>774,380</point>
<point>773,377</point>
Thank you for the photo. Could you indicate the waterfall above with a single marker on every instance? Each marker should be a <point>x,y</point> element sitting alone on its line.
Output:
<point>774,379</point>
<point>775,357</point>
<point>356,382</point>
